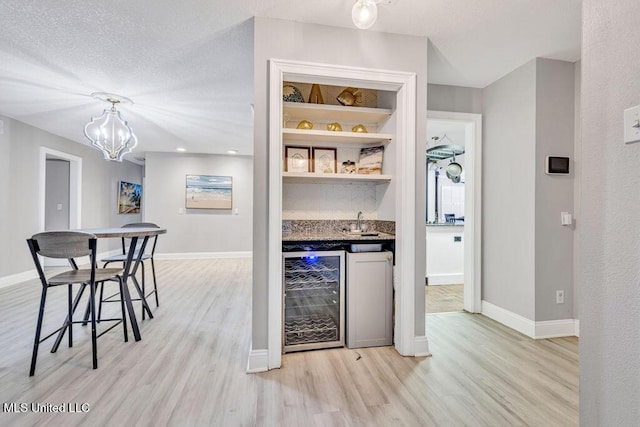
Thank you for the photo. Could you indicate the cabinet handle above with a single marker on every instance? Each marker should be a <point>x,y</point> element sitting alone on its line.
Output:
<point>389,258</point>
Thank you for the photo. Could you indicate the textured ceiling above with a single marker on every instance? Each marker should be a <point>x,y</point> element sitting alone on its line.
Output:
<point>188,65</point>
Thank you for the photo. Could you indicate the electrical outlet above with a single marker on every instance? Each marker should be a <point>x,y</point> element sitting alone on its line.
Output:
<point>559,297</point>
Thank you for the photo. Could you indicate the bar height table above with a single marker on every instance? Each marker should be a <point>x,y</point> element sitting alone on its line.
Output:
<point>132,264</point>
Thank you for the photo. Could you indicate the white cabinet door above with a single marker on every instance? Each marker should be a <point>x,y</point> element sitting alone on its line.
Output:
<point>369,299</point>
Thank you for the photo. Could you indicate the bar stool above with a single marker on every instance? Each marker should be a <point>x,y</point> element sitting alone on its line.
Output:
<point>122,257</point>
<point>70,245</point>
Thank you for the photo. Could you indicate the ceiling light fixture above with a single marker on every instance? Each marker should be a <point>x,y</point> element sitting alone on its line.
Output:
<point>181,149</point>
<point>365,13</point>
<point>110,133</point>
<point>232,151</point>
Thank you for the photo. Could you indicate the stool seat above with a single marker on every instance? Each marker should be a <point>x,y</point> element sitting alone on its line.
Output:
<point>84,275</point>
<point>70,245</point>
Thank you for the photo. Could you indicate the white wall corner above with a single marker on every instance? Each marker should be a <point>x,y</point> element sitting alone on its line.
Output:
<point>555,328</point>
<point>258,361</point>
<point>510,319</point>
<point>576,327</point>
<point>204,255</point>
<point>421,346</point>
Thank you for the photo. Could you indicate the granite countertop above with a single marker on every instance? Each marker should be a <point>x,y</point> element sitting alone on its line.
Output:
<point>333,236</point>
<point>445,224</point>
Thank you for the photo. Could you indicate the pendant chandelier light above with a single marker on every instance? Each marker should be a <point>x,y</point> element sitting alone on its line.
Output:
<point>365,12</point>
<point>110,133</point>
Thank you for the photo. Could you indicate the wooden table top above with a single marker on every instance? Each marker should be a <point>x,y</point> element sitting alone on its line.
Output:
<point>124,232</point>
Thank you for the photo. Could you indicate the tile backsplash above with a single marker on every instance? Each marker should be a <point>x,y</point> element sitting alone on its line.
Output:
<point>328,201</point>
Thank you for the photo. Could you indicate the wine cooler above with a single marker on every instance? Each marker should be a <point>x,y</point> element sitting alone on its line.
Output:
<point>313,300</point>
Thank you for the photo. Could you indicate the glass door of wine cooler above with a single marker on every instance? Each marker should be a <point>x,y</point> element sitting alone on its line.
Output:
<point>313,300</point>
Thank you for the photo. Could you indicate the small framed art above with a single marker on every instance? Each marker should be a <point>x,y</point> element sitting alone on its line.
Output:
<point>324,160</point>
<point>129,197</point>
<point>297,159</point>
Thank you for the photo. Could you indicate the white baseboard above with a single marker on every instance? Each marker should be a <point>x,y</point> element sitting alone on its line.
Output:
<point>258,361</point>
<point>445,279</point>
<point>18,278</point>
<point>577,327</point>
<point>421,346</point>
<point>532,329</point>
<point>204,255</point>
<point>510,319</point>
<point>555,328</point>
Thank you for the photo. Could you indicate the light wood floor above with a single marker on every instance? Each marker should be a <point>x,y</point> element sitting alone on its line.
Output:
<point>189,369</point>
<point>443,298</point>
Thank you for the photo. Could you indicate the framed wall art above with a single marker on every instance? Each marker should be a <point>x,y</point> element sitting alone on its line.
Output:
<point>209,192</point>
<point>129,197</point>
<point>370,162</point>
<point>297,159</point>
<point>324,160</point>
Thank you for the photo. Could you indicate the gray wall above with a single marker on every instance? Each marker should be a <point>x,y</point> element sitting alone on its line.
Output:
<point>508,191</point>
<point>56,193</point>
<point>343,46</point>
<point>555,111</point>
<point>19,164</point>
<point>198,230</point>
<point>454,98</point>
<point>609,232</point>
<point>527,253</point>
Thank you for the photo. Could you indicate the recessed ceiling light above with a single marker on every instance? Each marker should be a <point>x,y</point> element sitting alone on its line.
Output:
<point>181,149</point>
<point>232,151</point>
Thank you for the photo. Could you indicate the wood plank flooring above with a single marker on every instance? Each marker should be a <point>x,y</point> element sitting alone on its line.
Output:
<point>443,298</point>
<point>189,368</point>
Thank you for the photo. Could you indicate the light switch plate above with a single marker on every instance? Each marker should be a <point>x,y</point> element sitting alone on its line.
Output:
<point>632,124</point>
<point>565,218</point>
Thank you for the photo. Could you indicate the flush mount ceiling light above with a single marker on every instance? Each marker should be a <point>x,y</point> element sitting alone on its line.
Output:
<point>365,12</point>
<point>110,133</point>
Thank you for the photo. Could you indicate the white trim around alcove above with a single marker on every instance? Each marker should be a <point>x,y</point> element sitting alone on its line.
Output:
<point>404,85</point>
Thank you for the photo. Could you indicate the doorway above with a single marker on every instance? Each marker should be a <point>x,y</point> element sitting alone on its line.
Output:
<point>60,192</point>
<point>453,232</point>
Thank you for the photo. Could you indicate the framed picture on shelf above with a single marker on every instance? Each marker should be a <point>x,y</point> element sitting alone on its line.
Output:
<point>129,196</point>
<point>297,159</point>
<point>324,160</point>
<point>370,162</point>
<point>209,192</point>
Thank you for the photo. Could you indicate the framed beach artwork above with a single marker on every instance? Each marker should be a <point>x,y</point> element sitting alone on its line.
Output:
<point>209,192</point>
<point>129,197</point>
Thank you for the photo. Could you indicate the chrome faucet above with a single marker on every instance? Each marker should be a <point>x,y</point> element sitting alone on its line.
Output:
<point>359,221</point>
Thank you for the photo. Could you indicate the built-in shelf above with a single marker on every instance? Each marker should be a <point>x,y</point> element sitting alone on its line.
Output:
<point>296,111</point>
<point>318,178</point>
<point>312,135</point>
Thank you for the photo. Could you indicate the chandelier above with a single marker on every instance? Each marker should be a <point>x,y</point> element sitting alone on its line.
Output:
<point>110,133</point>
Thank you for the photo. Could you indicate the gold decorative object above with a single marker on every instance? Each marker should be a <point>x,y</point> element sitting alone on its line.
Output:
<point>359,129</point>
<point>315,97</point>
<point>350,96</point>
<point>305,124</point>
<point>335,127</point>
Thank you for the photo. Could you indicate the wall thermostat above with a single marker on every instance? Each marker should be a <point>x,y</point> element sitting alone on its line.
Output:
<point>557,165</point>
